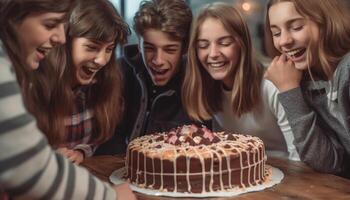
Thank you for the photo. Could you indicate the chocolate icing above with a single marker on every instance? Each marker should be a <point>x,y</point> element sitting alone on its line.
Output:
<point>195,160</point>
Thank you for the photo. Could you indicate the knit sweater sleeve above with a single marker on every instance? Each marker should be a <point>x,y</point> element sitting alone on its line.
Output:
<point>29,168</point>
<point>316,143</point>
<point>88,149</point>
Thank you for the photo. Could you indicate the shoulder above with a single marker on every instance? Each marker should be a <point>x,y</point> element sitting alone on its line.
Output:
<point>11,104</point>
<point>343,70</point>
<point>346,58</point>
<point>344,64</point>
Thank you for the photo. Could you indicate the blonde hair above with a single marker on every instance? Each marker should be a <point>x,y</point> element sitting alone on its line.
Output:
<point>332,18</point>
<point>201,94</point>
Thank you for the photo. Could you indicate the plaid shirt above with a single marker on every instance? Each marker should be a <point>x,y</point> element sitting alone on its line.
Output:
<point>80,126</point>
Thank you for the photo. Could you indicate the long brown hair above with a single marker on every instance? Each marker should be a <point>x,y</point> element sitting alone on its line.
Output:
<point>201,94</point>
<point>332,18</point>
<point>96,20</point>
<point>13,12</point>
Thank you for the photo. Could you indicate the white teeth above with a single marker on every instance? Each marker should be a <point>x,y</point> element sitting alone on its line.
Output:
<point>92,67</point>
<point>159,70</point>
<point>92,70</point>
<point>44,51</point>
<point>293,52</point>
<point>220,64</point>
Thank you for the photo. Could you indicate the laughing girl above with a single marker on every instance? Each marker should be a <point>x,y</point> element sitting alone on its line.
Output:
<point>86,103</point>
<point>224,81</point>
<point>311,41</point>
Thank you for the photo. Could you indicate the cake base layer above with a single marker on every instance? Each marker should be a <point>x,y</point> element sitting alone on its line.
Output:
<point>195,160</point>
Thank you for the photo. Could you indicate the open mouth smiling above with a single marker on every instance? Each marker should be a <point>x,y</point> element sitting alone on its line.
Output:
<point>295,53</point>
<point>43,50</point>
<point>89,69</point>
<point>159,71</point>
<point>217,64</point>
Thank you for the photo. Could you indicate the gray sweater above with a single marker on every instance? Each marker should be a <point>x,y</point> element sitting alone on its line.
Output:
<point>322,140</point>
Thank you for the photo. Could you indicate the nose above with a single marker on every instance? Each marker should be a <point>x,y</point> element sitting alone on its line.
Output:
<point>101,59</point>
<point>158,58</point>
<point>59,36</point>
<point>214,51</point>
<point>285,38</point>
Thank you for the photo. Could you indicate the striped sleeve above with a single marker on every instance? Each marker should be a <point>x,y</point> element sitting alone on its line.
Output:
<point>29,168</point>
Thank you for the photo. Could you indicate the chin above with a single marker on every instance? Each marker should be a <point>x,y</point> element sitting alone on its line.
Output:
<point>160,83</point>
<point>301,66</point>
<point>85,83</point>
<point>32,65</point>
<point>218,77</point>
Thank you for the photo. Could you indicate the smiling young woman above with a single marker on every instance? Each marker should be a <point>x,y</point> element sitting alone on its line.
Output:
<point>311,41</point>
<point>29,169</point>
<point>36,43</point>
<point>85,103</point>
<point>224,81</point>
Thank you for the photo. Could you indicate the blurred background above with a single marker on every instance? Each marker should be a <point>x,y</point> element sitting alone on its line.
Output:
<point>253,11</point>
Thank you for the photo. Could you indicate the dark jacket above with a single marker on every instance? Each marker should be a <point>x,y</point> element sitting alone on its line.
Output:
<point>148,108</point>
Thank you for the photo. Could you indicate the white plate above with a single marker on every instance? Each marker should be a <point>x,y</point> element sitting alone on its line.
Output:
<point>276,177</point>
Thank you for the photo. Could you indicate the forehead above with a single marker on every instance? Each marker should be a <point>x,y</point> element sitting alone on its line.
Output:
<point>89,40</point>
<point>159,38</point>
<point>58,16</point>
<point>283,12</point>
<point>212,28</point>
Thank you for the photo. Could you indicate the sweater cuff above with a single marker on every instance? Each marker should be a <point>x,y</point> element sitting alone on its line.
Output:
<point>85,148</point>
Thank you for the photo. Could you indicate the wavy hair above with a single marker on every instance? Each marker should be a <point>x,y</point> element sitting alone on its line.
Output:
<point>96,20</point>
<point>201,94</point>
<point>332,18</point>
<point>172,17</point>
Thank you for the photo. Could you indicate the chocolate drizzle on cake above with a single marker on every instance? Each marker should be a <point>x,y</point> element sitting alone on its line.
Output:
<point>195,160</point>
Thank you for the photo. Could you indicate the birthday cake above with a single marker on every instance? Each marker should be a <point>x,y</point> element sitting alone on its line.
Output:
<point>193,159</point>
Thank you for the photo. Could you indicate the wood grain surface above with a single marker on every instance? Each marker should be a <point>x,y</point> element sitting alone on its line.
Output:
<point>300,181</point>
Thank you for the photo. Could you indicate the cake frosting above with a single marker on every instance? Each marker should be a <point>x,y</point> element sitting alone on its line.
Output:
<point>193,159</point>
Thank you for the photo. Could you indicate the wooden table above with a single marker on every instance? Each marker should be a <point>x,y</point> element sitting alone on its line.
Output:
<point>300,181</point>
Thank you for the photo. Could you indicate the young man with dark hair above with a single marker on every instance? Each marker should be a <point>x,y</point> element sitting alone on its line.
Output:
<point>153,72</point>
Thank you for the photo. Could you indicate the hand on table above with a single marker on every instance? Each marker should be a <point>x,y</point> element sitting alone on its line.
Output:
<point>283,74</point>
<point>74,156</point>
<point>124,192</point>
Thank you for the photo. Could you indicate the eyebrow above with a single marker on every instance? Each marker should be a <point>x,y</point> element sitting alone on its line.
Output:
<point>101,43</point>
<point>167,46</point>
<point>289,21</point>
<point>221,38</point>
<point>57,19</point>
